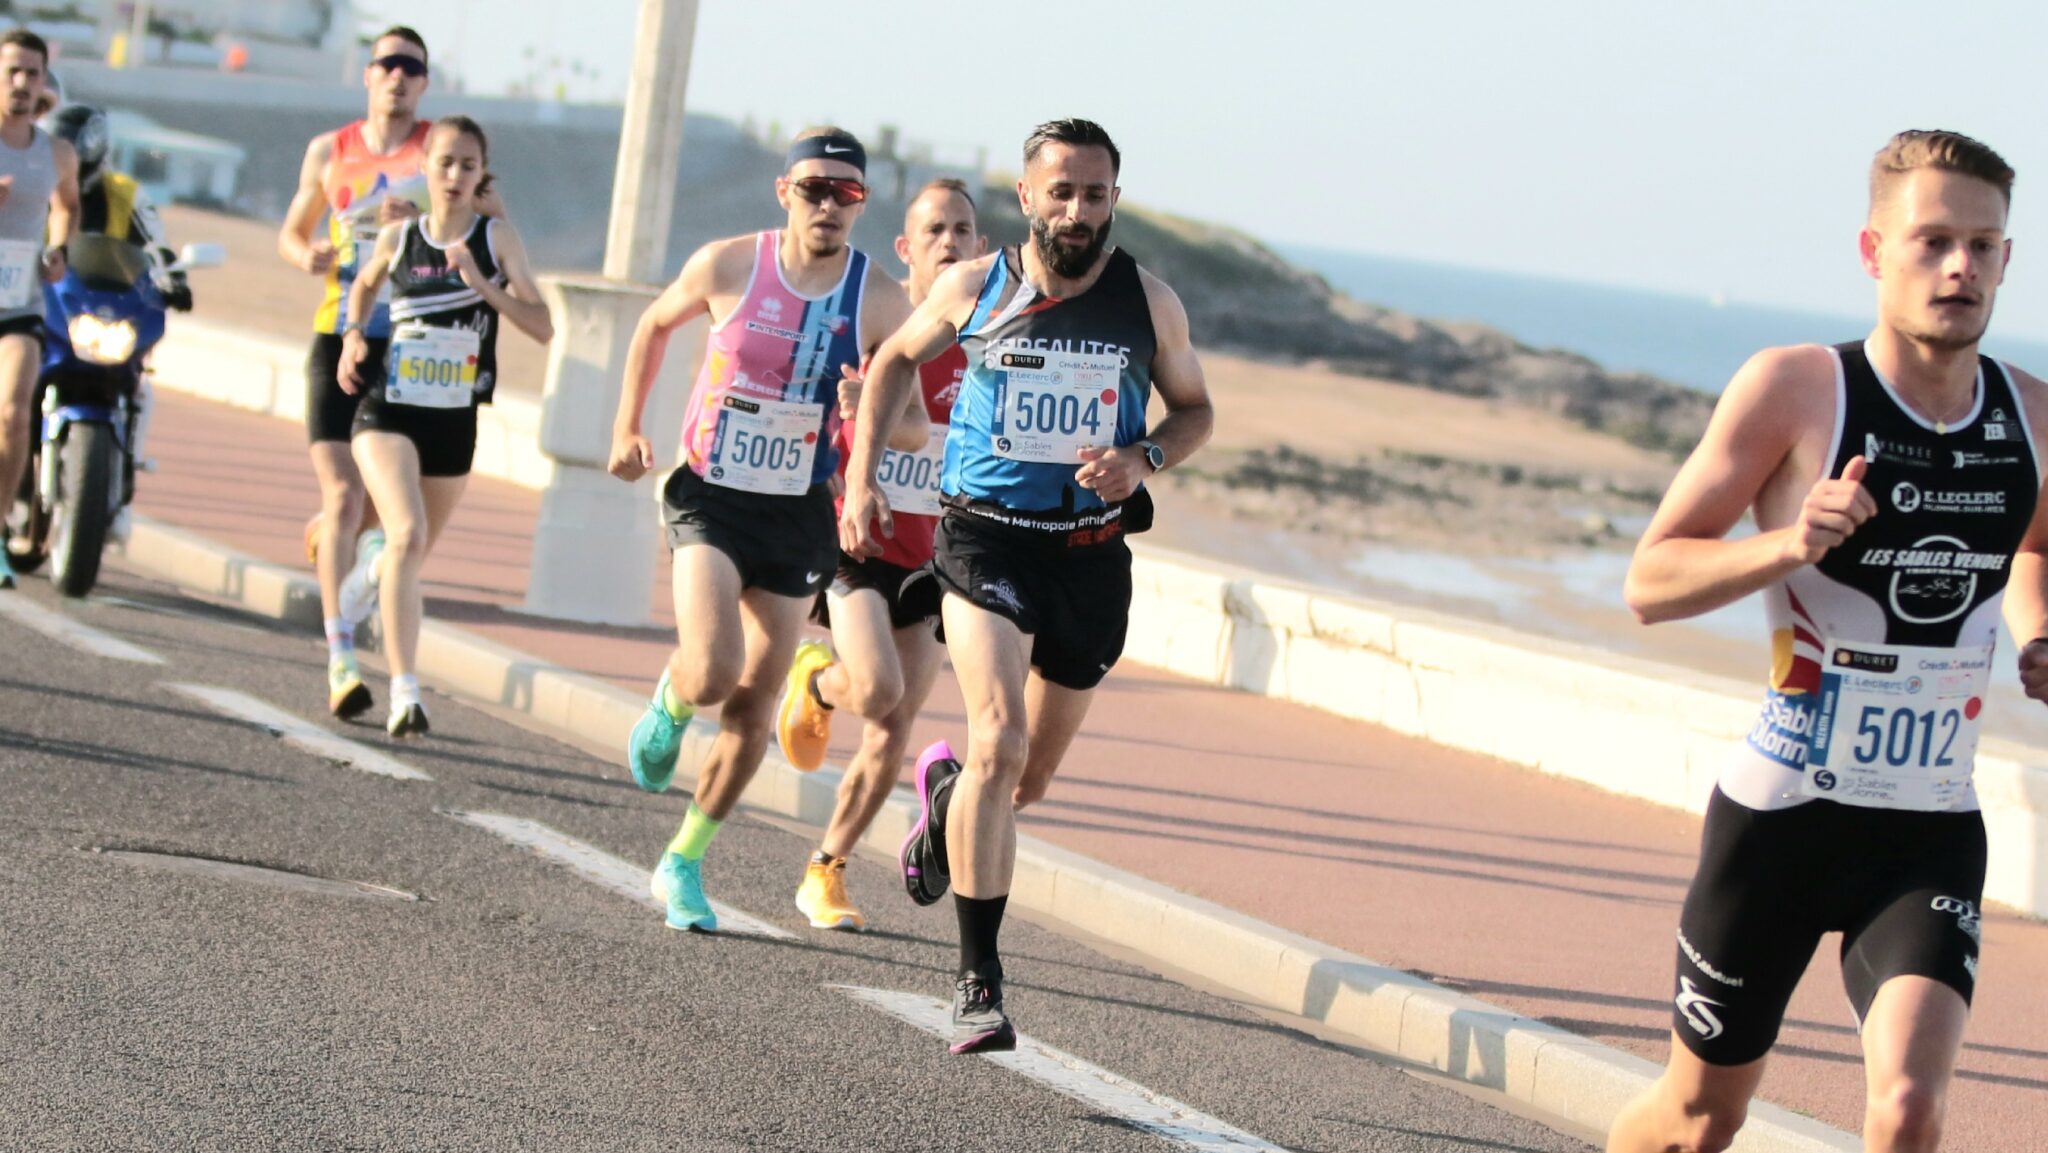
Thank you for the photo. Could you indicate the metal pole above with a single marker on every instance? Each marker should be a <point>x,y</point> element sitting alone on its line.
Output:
<point>650,142</point>
<point>138,36</point>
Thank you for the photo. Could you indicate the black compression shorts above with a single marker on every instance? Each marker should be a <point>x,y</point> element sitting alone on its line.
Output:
<point>1903,889</point>
<point>330,412</point>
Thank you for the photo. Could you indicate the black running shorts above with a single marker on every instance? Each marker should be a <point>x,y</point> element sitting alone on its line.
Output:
<point>445,437</point>
<point>25,326</point>
<point>330,412</point>
<point>1074,601</point>
<point>785,545</point>
<point>1903,889</point>
<point>885,578</point>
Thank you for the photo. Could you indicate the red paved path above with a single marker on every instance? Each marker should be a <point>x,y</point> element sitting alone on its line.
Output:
<point>1546,896</point>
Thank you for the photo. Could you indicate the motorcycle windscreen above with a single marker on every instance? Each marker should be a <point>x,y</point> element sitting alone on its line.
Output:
<point>105,263</point>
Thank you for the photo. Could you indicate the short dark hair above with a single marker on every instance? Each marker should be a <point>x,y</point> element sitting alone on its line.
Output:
<point>406,34</point>
<point>29,40</point>
<point>469,128</point>
<point>949,184</point>
<point>1072,131</point>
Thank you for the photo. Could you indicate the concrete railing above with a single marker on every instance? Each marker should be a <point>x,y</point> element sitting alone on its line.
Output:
<point>1629,726</point>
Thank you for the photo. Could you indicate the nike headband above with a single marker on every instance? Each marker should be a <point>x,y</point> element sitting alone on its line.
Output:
<point>840,146</point>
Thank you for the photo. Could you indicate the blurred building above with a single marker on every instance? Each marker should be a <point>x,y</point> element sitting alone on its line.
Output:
<point>297,38</point>
<point>174,166</point>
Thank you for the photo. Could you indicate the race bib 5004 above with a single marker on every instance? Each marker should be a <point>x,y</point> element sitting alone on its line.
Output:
<point>1050,405</point>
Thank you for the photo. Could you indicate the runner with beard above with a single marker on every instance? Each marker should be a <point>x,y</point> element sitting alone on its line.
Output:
<point>749,509</point>
<point>887,656</point>
<point>1895,484</point>
<point>1066,339</point>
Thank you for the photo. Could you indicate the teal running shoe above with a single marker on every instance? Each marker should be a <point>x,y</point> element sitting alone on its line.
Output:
<point>657,742</point>
<point>679,883</point>
<point>6,569</point>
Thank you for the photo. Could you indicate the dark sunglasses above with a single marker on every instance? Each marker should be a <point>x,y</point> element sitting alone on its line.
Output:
<point>412,66</point>
<point>843,192</point>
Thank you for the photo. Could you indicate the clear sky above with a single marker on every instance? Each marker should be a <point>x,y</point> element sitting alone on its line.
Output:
<point>1695,148</point>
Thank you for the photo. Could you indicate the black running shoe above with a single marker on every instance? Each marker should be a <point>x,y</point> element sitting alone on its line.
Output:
<point>923,856</point>
<point>979,1023</point>
<point>408,722</point>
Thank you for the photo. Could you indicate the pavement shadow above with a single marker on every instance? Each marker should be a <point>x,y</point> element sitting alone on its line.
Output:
<point>1181,837</point>
<point>1333,840</point>
<point>123,759</point>
<point>1371,819</point>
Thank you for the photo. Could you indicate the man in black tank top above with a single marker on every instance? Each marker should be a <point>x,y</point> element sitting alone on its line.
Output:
<point>1047,450</point>
<point>1895,487</point>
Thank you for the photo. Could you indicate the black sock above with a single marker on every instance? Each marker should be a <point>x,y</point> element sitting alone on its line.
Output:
<point>980,923</point>
<point>817,696</point>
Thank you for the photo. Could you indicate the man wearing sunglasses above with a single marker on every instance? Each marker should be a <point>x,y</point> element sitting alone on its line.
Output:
<point>360,177</point>
<point>1046,457</point>
<point>749,508</point>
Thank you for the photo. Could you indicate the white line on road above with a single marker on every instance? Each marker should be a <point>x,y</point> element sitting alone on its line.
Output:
<point>83,637</point>
<point>1092,1085</point>
<point>604,870</point>
<point>300,734</point>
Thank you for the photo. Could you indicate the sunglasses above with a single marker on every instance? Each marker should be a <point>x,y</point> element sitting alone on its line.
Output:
<point>412,66</point>
<point>843,192</point>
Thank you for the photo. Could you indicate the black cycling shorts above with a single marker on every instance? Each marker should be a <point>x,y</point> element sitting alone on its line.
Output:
<point>890,580</point>
<point>1903,889</point>
<point>785,545</point>
<point>1074,601</point>
<point>444,437</point>
<point>330,412</point>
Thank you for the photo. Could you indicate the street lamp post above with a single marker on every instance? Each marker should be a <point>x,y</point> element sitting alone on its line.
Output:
<point>597,542</point>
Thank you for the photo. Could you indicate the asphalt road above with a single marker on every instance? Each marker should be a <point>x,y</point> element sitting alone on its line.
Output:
<point>448,988</point>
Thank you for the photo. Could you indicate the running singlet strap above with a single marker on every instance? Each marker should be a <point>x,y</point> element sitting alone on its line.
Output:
<point>765,409</point>
<point>358,183</point>
<point>1881,652</point>
<point>1045,378</point>
<point>444,334</point>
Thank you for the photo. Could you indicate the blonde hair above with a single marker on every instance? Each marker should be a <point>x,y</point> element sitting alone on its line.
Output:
<point>1915,149</point>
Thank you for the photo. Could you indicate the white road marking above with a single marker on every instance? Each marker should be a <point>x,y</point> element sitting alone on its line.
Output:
<point>300,734</point>
<point>61,628</point>
<point>1092,1085</point>
<point>604,870</point>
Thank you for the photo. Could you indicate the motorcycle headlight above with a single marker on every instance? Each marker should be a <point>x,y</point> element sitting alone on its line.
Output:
<point>102,341</point>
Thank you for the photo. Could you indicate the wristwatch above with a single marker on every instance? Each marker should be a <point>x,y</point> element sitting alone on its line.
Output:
<point>1154,455</point>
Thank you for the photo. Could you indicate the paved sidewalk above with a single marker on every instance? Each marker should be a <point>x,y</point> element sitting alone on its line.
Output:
<point>1540,895</point>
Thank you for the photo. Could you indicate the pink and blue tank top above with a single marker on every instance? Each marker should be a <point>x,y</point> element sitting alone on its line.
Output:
<point>765,409</point>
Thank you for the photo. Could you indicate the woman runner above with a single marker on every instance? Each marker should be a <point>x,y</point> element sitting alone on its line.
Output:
<point>453,272</point>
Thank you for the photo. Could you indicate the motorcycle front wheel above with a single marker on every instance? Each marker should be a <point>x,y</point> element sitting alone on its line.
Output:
<point>83,508</point>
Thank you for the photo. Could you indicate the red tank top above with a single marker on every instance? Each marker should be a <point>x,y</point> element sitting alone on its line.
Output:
<point>911,479</point>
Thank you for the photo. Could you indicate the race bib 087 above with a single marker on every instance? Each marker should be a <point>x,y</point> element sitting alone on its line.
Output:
<point>21,267</point>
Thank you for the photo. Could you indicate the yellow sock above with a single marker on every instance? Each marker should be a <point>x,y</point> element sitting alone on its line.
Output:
<point>695,836</point>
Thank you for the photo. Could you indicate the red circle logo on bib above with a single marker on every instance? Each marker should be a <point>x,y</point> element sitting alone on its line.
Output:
<point>1973,707</point>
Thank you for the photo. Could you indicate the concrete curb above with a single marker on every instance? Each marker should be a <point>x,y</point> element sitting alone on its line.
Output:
<point>1374,1005</point>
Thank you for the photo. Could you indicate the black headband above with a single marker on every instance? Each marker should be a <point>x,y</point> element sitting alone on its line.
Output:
<point>838,146</point>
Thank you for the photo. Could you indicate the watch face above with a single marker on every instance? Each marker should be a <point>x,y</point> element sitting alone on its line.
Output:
<point>1156,455</point>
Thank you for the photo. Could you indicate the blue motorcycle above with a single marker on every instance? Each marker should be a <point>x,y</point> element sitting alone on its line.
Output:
<point>101,320</point>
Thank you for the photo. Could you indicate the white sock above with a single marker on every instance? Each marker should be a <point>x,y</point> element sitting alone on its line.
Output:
<point>341,638</point>
<point>405,691</point>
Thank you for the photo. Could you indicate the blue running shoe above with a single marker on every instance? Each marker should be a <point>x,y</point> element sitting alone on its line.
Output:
<point>679,883</point>
<point>657,742</point>
<point>6,569</point>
